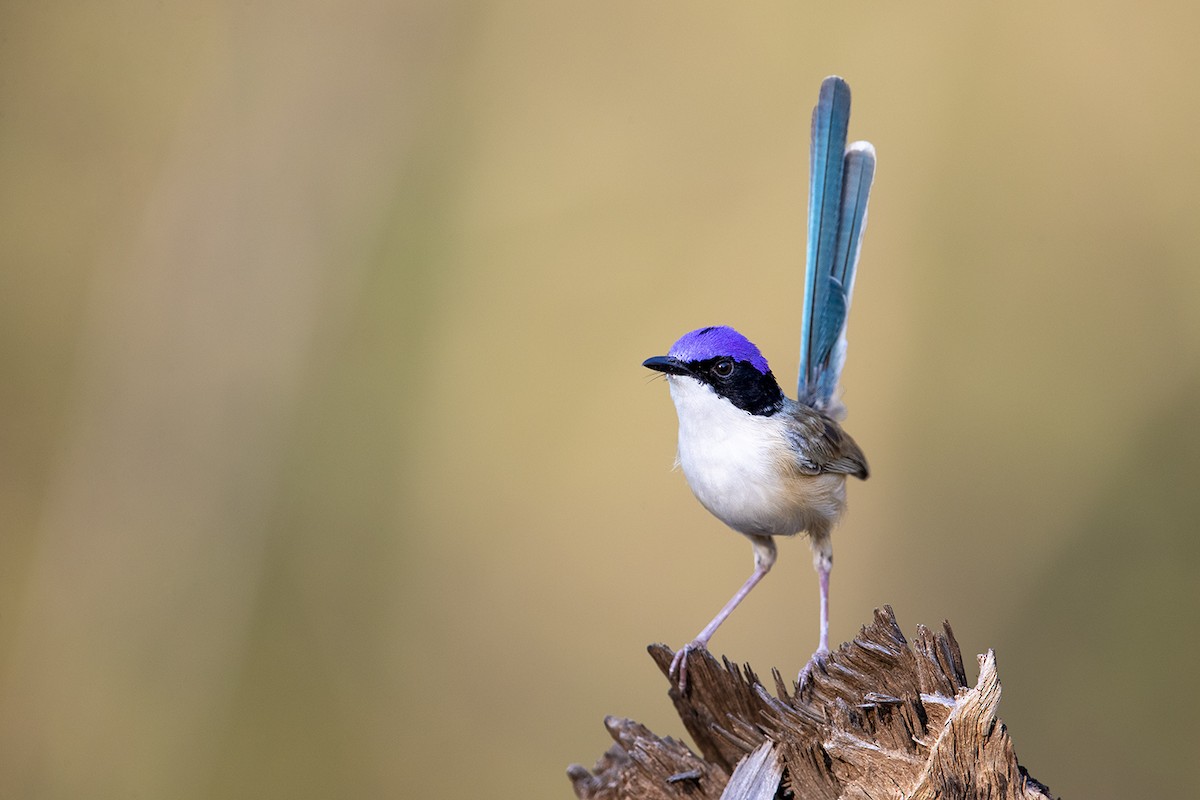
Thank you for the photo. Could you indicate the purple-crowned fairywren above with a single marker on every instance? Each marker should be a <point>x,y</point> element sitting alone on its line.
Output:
<point>762,463</point>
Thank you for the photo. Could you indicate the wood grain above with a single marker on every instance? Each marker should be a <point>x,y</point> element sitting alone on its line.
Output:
<point>881,718</point>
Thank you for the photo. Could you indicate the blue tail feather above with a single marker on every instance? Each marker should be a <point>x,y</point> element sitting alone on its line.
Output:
<point>856,187</point>
<point>840,183</point>
<point>830,122</point>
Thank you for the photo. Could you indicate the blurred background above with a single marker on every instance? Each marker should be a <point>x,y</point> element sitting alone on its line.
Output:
<point>328,467</point>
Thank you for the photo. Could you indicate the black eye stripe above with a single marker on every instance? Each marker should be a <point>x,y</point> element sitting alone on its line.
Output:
<point>740,383</point>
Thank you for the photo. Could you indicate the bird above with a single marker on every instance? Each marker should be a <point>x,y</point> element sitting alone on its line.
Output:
<point>762,463</point>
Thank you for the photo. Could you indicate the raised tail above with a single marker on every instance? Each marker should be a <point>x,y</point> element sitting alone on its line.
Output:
<point>839,185</point>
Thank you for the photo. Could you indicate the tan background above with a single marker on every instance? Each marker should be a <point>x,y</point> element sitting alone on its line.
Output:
<point>327,464</point>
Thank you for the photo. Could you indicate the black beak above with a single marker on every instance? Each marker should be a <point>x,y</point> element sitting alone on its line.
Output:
<point>667,364</point>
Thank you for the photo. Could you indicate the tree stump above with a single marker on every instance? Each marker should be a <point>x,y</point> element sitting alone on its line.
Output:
<point>879,719</point>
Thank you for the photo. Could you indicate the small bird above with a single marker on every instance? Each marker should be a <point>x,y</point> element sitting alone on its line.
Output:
<point>762,463</point>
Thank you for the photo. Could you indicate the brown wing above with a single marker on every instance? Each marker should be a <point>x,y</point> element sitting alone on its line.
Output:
<point>821,445</point>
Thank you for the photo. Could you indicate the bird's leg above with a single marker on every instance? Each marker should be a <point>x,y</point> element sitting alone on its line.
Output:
<point>823,569</point>
<point>764,558</point>
<point>823,564</point>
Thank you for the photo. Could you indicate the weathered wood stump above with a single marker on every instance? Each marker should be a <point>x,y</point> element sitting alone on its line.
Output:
<point>879,719</point>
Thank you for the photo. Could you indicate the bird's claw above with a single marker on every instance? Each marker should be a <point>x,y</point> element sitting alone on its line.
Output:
<point>818,659</point>
<point>678,670</point>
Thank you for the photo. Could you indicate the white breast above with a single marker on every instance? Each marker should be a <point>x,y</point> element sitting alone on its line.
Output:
<point>736,465</point>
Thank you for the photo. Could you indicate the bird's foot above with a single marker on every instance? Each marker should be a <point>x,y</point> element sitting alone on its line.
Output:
<point>678,670</point>
<point>819,659</point>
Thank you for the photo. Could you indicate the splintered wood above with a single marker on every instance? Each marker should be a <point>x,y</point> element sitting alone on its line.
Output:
<point>879,719</point>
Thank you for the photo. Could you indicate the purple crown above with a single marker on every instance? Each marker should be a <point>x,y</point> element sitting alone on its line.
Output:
<point>713,342</point>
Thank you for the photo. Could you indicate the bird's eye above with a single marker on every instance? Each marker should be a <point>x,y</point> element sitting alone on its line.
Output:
<point>723,368</point>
